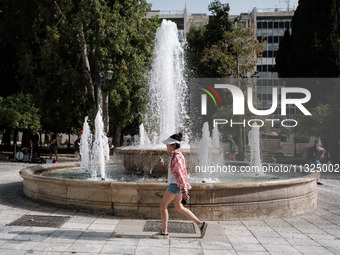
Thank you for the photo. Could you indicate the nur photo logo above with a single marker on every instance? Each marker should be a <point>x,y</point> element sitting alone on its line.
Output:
<point>281,98</point>
<point>204,96</point>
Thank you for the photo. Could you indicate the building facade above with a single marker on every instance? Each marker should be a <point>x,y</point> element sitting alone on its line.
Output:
<point>270,25</point>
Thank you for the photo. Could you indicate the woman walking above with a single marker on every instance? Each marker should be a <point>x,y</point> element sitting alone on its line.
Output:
<point>177,187</point>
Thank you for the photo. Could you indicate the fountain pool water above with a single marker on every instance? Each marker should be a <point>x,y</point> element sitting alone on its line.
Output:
<point>140,197</point>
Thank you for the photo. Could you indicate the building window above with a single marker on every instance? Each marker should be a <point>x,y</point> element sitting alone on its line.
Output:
<point>287,24</point>
<point>267,54</point>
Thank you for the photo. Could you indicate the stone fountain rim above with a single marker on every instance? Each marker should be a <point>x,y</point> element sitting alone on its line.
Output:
<point>132,150</point>
<point>33,173</point>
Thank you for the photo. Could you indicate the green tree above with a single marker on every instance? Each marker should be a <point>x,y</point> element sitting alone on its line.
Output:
<point>45,62</point>
<point>313,50</point>
<point>64,51</point>
<point>195,46</point>
<point>200,38</point>
<point>23,115</point>
<point>29,117</point>
<point>218,23</point>
<point>9,117</point>
<point>283,66</point>
<point>313,125</point>
<point>331,125</point>
<point>236,54</point>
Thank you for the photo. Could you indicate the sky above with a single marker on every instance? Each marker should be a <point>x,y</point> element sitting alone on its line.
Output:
<point>236,6</point>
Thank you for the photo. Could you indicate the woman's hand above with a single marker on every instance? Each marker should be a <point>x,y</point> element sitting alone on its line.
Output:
<point>186,196</point>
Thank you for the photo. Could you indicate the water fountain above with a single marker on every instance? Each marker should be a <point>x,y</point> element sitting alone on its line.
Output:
<point>167,112</point>
<point>94,153</point>
<point>254,144</point>
<point>85,149</point>
<point>282,195</point>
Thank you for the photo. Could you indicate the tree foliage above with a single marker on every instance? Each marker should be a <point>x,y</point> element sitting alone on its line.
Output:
<point>218,23</point>
<point>237,53</point>
<point>64,48</point>
<point>8,116</point>
<point>313,50</point>
<point>283,59</point>
<point>200,38</point>
<point>18,111</point>
<point>313,125</point>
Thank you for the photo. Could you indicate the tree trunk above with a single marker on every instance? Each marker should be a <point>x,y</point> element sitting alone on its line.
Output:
<point>6,139</point>
<point>87,71</point>
<point>15,140</point>
<point>69,142</point>
<point>240,145</point>
<point>116,137</point>
<point>102,95</point>
<point>334,150</point>
<point>25,141</point>
<point>105,108</point>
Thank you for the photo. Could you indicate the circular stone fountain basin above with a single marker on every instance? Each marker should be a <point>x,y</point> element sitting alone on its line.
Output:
<point>148,161</point>
<point>209,201</point>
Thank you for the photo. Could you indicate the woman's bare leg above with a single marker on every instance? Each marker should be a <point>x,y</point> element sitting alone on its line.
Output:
<point>166,200</point>
<point>185,211</point>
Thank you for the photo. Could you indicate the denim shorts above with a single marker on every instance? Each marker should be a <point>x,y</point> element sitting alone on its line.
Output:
<point>173,189</point>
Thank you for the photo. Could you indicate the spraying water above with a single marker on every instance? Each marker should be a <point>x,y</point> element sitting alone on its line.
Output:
<point>85,148</point>
<point>141,134</point>
<point>100,145</point>
<point>166,113</point>
<point>254,143</point>
<point>205,146</point>
<point>216,137</point>
<point>96,154</point>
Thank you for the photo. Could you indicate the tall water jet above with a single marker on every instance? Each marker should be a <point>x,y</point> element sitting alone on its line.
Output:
<point>254,144</point>
<point>141,134</point>
<point>205,147</point>
<point>216,137</point>
<point>85,148</point>
<point>166,113</point>
<point>100,146</point>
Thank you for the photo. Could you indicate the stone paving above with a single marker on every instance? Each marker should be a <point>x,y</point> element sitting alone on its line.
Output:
<point>317,232</point>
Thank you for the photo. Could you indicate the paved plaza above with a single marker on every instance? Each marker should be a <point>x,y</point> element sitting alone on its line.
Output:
<point>317,232</point>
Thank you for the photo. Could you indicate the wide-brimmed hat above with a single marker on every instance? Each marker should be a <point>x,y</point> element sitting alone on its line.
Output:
<point>170,140</point>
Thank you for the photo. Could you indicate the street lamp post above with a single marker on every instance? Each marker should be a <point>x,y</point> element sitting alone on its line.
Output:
<point>105,99</point>
<point>109,75</point>
<point>254,78</point>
